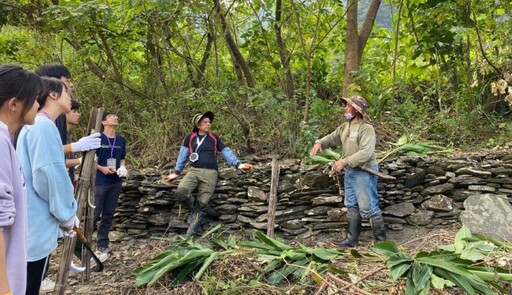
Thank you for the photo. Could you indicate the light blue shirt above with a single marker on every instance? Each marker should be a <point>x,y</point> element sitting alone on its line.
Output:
<point>50,197</point>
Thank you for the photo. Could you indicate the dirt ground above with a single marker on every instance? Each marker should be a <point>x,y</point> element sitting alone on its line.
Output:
<point>117,277</point>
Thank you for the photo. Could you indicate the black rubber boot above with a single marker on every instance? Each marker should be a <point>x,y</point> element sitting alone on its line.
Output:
<point>378,227</point>
<point>194,222</point>
<point>353,229</point>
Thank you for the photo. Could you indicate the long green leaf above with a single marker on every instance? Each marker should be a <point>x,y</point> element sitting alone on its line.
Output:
<point>272,242</point>
<point>386,248</point>
<point>421,275</point>
<point>398,270</point>
<point>206,264</point>
<point>184,272</point>
<point>458,279</point>
<point>439,283</point>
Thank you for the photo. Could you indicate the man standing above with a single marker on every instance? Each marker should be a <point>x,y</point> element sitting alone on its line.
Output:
<point>111,167</point>
<point>201,148</point>
<point>357,137</point>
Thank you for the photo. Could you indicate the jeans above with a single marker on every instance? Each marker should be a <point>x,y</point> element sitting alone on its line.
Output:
<point>105,200</point>
<point>361,191</point>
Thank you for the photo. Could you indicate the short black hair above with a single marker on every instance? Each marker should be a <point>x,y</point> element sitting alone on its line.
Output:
<point>55,70</point>
<point>105,115</point>
<point>74,105</point>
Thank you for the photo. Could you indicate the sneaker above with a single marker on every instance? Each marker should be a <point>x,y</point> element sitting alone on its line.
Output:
<point>75,269</point>
<point>47,285</point>
<point>101,256</point>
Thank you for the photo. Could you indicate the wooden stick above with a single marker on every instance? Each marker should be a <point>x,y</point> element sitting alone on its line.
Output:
<point>84,182</point>
<point>356,289</point>
<point>272,199</point>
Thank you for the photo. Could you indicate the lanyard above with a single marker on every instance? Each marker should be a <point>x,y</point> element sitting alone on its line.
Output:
<point>111,145</point>
<point>199,142</point>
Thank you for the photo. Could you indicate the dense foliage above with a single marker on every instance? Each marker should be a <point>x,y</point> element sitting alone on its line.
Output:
<point>273,70</point>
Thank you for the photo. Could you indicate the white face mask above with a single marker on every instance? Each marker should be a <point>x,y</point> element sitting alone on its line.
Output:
<point>348,116</point>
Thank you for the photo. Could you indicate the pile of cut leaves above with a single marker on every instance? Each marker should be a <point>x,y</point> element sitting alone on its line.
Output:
<point>410,147</point>
<point>474,263</point>
<point>186,258</point>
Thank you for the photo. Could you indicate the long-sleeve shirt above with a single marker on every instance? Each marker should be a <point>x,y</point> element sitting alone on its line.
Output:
<point>207,152</point>
<point>13,214</point>
<point>358,142</point>
<point>49,192</point>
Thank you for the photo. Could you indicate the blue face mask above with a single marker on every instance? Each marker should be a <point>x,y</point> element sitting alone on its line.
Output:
<point>348,116</point>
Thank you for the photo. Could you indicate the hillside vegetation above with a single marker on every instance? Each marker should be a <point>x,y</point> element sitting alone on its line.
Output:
<point>273,71</point>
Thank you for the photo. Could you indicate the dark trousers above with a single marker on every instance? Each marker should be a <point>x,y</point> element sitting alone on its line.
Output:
<point>35,270</point>
<point>105,200</point>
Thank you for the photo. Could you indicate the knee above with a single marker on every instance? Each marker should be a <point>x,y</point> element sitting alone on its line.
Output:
<point>366,213</point>
<point>182,193</point>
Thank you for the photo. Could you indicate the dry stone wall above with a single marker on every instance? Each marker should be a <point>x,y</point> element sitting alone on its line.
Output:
<point>427,192</point>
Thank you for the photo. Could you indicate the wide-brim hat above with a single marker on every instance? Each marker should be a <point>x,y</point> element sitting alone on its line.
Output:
<point>359,104</point>
<point>198,117</point>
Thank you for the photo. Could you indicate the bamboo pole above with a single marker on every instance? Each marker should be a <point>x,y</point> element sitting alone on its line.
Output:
<point>87,169</point>
<point>272,199</point>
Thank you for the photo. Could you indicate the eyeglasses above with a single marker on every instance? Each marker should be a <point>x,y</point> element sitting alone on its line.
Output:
<point>112,116</point>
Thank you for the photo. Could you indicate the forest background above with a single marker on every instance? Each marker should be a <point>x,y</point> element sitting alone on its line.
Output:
<point>274,71</point>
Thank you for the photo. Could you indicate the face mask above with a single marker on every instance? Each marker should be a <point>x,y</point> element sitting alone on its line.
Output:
<point>348,116</point>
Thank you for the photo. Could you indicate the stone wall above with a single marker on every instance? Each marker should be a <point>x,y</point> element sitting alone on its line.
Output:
<point>427,192</point>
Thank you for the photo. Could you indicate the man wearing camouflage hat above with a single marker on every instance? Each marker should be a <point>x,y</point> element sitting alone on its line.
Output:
<point>357,137</point>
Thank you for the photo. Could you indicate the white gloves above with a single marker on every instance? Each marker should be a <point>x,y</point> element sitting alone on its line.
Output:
<point>172,176</point>
<point>68,225</point>
<point>122,172</point>
<point>87,143</point>
<point>245,166</point>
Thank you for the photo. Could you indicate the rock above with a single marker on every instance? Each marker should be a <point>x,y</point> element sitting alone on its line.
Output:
<point>474,172</point>
<point>438,203</point>
<point>438,189</point>
<point>421,217</point>
<point>400,210</point>
<point>256,195</point>
<point>489,215</point>
<point>328,200</point>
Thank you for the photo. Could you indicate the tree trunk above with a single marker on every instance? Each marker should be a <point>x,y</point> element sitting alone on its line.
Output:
<point>289,87</point>
<point>233,48</point>
<point>356,41</point>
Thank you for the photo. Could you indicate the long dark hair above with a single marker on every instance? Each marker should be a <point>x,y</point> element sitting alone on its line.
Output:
<point>50,85</point>
<point>17,82</point>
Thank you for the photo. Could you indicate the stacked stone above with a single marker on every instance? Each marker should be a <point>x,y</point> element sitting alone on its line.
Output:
<point>427,192</point>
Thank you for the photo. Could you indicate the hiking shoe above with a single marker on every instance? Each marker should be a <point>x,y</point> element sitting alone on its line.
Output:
<point>47,285</point>
<point>75,269</point>
<point>105,250</point>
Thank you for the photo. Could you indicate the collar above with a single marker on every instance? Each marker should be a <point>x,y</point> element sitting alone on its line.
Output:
<point>3,126</point>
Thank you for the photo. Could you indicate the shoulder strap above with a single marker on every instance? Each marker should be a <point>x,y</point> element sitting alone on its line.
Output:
<point>214,140</point>
<point>192,136</point>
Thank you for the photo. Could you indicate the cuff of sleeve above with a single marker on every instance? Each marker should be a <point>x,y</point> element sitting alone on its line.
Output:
<point>237,164</point>
<point>344,162</point>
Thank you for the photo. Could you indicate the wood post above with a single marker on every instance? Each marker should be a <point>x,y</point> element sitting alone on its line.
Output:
<point>83,190</point>
<point>272,199</point>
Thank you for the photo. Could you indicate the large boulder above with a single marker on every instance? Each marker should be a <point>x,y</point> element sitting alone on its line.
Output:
<point>489,215</point>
